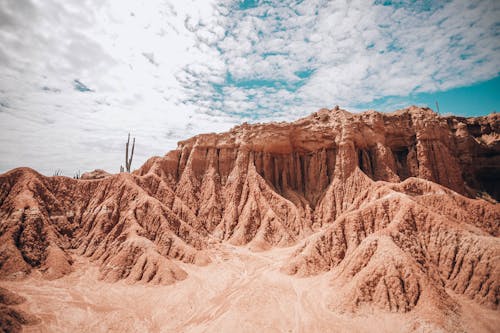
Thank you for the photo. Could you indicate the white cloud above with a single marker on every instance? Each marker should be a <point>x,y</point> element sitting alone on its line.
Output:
<point>357,52</point>
<point>48,125</point>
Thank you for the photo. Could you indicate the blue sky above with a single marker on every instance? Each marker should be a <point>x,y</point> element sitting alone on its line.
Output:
<point>476,99</point>
<point>76,77</point>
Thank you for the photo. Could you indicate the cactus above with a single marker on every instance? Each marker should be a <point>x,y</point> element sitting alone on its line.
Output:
<point>128,162</point>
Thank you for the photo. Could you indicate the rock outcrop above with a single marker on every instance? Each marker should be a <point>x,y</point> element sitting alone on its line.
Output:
<point>401,208</point>
<point>96,174</point>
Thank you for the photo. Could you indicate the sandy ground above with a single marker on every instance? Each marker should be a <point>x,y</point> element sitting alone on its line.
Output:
<point>241,291</point>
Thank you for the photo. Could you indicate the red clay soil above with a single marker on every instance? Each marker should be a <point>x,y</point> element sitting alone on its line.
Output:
<point>397,211</point>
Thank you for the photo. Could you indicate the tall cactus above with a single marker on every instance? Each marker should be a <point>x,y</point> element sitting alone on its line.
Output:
<point>128,162</point>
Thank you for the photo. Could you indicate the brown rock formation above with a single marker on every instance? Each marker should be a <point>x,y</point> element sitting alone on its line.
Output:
<point>390,203</point>
<point>96,174</point>
<point>12,319</point>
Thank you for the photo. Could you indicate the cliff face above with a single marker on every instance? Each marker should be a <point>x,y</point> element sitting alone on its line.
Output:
<point>462,154</point>
<point>388,202</point>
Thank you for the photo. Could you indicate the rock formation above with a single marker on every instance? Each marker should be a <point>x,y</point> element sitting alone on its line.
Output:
<point>12,319</point>
<point>96,174</point>
<point>400,207</point>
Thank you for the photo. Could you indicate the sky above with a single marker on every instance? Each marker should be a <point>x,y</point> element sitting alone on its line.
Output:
<point>77,76</point>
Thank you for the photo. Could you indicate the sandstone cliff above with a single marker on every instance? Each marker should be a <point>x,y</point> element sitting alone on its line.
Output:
<point>401,207</point>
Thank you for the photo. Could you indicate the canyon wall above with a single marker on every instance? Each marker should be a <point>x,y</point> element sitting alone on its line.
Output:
<point>400,207</point>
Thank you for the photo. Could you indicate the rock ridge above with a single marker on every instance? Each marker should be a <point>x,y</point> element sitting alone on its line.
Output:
<point>400,208</point>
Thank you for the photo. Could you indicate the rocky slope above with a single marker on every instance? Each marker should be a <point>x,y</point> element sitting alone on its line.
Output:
<point>12,319</point>
<point>400,208</point>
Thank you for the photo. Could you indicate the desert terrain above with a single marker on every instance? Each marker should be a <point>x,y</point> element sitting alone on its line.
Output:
<point>337,222</point>
<point>241,291</point>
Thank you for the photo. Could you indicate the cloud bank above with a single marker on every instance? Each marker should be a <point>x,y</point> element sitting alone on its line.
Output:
<point>75,78</point>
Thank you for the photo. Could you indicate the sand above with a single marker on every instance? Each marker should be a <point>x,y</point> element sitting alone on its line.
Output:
<point>241,291</point>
